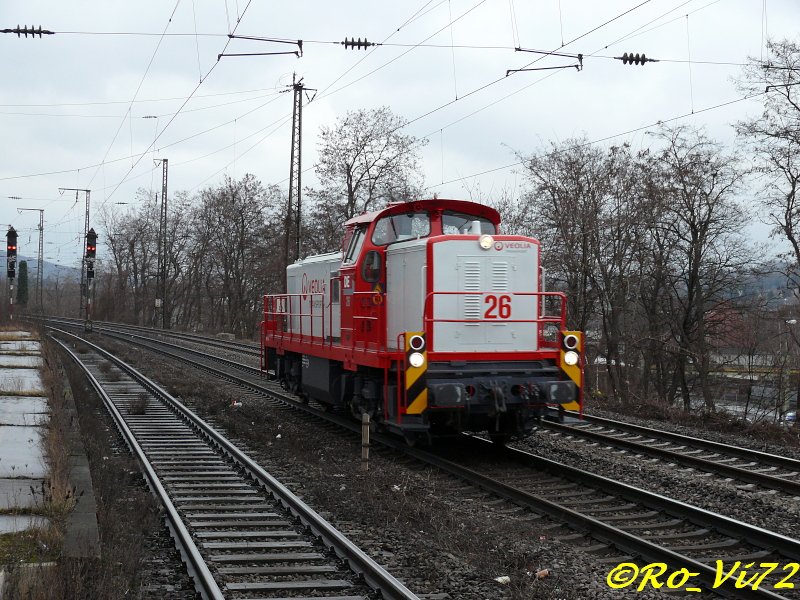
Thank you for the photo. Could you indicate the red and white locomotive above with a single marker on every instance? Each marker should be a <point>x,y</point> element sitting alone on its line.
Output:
<point>429,320</point>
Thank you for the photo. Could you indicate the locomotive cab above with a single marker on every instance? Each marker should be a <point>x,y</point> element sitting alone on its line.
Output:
<point>430,320</point>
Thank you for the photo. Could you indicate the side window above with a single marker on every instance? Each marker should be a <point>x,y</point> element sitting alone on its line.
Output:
<point>336,287</point>
<point>371,267</point>
<point>354,248</point>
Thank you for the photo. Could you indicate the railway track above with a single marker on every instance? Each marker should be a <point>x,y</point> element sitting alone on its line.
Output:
<point>751,467</point>
<point>645,526</point>
<point>240,531</point>
<point>625,523</point>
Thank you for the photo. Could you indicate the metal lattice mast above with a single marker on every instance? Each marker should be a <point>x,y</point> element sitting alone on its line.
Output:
<point>40,265</point>
<point>295,160</point>
<point>162,257</point>
<point>295,169</point>
<point>88,194</point>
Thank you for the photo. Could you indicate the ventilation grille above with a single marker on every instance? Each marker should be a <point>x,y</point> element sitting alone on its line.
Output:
<point>499,276</point>
<point>472,283</point>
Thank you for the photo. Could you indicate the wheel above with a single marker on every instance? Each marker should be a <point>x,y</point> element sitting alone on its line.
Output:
<point>501,439</point>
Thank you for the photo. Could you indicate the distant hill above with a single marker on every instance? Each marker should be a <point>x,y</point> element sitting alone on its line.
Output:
<point>51,270</point>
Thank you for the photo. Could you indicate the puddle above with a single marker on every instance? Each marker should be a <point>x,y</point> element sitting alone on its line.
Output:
<point>21,493</point>
<point>17,523</point>
<point>15,360</point>
<point>20,380</point>
<point>23,410</point>
<point>21,452</point>
<point>20,346</point>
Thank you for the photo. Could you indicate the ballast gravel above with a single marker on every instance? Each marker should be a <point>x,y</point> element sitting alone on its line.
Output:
<point>441,537</point>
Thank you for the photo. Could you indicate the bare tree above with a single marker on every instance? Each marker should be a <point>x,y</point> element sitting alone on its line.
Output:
<point>364,162</point>
<point>561,207</point>
<point>703,223</point>
<point>234,226</point>
<point>774,137</point>
<point>619,231</point>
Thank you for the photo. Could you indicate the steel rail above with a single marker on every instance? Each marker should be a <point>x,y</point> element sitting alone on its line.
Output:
<point>768,481</point>
<point>764,457</point>
<point>646,550</point>
<point>623,540</point>
<point>374,575</point>
<point>204,582</point>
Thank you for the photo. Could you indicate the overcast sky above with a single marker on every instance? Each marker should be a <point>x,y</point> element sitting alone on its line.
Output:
<point>94,104</point>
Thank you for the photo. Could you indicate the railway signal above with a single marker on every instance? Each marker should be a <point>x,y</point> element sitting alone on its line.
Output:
<point>91,253</point>
<point>11,252</point>
<point>89,258</point>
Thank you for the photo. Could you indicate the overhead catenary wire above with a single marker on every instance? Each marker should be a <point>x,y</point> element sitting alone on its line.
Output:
<point>177,112</point>
<point>241,116</point>
<point>138,88</point>
<point>447,46</point>
<point>650,125</point>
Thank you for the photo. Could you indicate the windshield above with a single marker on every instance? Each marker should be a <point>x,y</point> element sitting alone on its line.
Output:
<point>454,223</point>
<point>405,226</point>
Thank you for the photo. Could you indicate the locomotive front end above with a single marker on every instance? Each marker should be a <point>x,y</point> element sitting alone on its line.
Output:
<point>495,356</point>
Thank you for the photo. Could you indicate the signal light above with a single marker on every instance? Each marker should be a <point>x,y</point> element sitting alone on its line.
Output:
<point>358,45</point>
<point>11,252</point>
<point>11,242</point>
<point>91,244</point>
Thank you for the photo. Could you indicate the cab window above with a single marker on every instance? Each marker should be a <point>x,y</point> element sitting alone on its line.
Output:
<point>397,228</point>
<point>354,247</point>
<point>454,223</point>
<point>371,267</point>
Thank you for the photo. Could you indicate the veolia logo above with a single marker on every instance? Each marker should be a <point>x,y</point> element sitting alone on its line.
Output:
<point>313,286</point>
<point>512,245</point>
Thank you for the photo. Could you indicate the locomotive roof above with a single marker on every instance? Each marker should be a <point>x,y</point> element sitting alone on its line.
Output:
<point>463,206</point>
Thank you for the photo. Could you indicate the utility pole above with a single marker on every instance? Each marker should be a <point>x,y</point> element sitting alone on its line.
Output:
<point>161,284</point>
<point>295,169</point>
<point>40,262</point>
<point>85,232</point>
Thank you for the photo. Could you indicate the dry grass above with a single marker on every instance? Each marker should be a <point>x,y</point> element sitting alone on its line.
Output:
<point>139,406</point>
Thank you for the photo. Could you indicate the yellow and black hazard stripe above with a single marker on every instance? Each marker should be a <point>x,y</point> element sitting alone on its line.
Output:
<point>416,373</point>
<point>572,341</point>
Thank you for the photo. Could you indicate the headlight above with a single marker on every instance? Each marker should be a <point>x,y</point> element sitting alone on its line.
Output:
<point>571,358</point>
<point>486,241</point>
<point>416,359</point>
